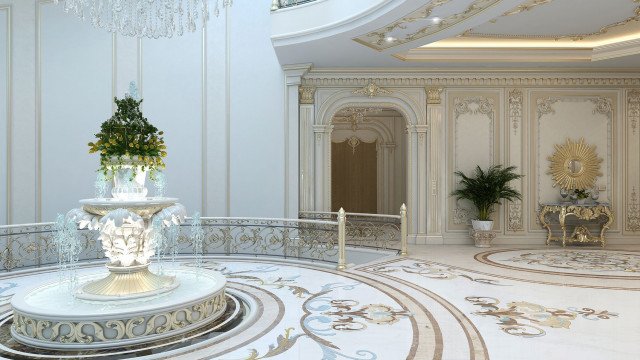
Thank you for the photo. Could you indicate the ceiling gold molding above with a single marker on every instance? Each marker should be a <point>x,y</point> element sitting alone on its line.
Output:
<point>378,39</point>
<point>524,7</point>
<point>575,37</point>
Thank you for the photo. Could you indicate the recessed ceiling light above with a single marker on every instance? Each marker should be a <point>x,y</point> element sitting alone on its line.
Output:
<point>390,39</point>
<point>436,20</point>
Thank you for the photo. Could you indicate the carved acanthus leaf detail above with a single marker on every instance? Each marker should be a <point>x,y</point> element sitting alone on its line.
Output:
<point>372,90</point>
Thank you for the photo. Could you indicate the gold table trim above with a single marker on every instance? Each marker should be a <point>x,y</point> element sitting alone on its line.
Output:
<point>583,212</point>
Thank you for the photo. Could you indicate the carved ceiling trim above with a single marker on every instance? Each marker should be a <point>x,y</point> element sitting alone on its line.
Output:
<point>380,38</point>
<point>575,37</point>
<point>418,79</point>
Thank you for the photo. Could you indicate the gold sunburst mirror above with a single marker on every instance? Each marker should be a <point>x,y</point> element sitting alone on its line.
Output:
<point>575,165</point>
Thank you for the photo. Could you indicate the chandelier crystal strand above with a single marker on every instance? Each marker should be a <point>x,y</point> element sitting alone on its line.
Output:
<point>145,18</point>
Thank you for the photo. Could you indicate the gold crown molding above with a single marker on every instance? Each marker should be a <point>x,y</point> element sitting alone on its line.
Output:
<point>531,4</point>
<point>434,95</point>
<point>378,39</point>
<point>575,37</point>
<point>427,79</point>
<point>307,95</point>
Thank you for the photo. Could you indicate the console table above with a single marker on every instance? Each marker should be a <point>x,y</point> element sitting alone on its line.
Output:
<point>586,213</point>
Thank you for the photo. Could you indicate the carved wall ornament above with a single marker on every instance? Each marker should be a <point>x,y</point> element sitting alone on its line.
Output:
<point>545,106</point>
<point>307,95</point>
<point>575,37</point>
<point>515,222</point>
<point>393,35</point>
<point>633,109</point>
<point>460,216</point>
<point>603,106</point>
<point>356,116</point>
<point>515,108</point>
<point>372,90</point>
<point>483,105</point>
<point>353,141</point>
<point>633,212</point>
<point>575,165</point>
<point>434,95</point>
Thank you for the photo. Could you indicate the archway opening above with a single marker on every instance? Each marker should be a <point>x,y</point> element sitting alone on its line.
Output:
<point>368,160</point>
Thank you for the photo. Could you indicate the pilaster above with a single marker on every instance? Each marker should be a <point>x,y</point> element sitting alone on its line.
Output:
<point>292,80</point>
<point>436,165</point>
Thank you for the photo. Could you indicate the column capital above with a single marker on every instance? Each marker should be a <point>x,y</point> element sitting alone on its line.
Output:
<point>293,73</point>
<point>434,95</point>
<point>420,129</point>
<point>307,95</point>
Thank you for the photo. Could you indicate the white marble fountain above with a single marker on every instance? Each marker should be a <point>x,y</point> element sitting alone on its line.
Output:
<point>132,304</point>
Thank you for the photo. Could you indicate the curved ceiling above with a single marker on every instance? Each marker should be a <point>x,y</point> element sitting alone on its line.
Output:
<point>494,33</point>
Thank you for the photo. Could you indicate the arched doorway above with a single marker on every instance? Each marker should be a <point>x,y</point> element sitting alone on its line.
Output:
<point>368,160</point>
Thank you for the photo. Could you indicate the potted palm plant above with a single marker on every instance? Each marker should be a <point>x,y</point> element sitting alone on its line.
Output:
<point>485,190</point>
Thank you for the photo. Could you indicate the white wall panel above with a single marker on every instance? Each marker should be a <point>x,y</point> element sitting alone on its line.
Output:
<point>75,98</point>
<point>257,128</point>
<point>172,88</point>
<point>5,116</point>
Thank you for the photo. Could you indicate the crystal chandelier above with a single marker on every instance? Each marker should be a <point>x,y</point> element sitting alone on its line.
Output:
<point>145,18</point>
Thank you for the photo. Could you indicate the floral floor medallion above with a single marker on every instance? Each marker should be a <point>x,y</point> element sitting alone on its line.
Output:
<point>433,271</point>
<point>521,318</point>
<point>582,260</point>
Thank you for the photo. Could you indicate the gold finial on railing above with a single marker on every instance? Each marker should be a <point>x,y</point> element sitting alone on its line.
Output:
<point>342,239</point>
<point>403,229</point>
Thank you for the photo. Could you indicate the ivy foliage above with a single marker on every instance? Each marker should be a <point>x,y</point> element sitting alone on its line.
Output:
<point>127,138</point>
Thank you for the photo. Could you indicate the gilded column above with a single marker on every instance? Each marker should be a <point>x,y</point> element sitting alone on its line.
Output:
<point>436,165</point>
<point>307,135</point>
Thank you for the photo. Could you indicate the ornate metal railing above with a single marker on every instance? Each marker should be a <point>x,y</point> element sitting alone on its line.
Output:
<point>281,4</point>
<point>370,230</point>
<point>33,245</point>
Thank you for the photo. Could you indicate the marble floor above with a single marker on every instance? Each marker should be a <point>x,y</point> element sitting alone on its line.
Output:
<point>441,302</point>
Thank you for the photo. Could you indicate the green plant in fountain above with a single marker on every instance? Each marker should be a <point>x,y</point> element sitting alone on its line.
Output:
<point>485,189</point>
<point>127,138</point>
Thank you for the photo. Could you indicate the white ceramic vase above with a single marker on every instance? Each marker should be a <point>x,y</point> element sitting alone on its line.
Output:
<point>482,225</point>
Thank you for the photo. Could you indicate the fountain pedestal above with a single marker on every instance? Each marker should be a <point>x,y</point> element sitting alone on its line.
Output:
<point>129,241</point>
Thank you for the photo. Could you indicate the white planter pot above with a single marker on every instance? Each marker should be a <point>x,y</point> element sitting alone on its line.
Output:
<point>126,186</point>
<point>482,225</point>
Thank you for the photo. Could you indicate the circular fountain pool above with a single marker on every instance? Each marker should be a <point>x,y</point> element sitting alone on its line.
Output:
<point>50,316</point>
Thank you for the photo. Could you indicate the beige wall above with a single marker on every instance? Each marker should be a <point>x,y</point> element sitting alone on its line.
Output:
<point>511,118</point>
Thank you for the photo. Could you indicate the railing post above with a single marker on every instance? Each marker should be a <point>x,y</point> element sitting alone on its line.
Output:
<point>275,5</point>
<point>342,239</point>
<point>403,229</point>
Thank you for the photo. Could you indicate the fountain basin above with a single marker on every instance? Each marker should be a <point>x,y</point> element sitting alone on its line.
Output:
<point>49,316</point>
<point>146,207</point>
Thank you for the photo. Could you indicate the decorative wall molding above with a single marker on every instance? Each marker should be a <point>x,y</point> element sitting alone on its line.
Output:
<point>485,106</point>
<point>372,90</point>
<point>434,95</point>
<point>515,218</point>
<point>307,95</point>
<point>633,109</point>
<point>515,109</point>
<point>339,78</point>
<point>633,212</point>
